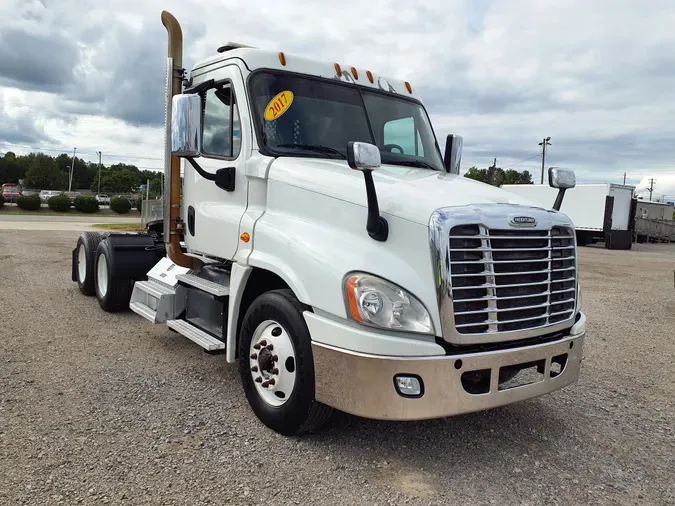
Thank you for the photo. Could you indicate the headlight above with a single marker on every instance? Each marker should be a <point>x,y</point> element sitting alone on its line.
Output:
<point>374,301</point>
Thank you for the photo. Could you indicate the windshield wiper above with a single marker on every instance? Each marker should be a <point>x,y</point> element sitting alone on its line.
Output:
<point>413,163</point>
<point>310,147</point>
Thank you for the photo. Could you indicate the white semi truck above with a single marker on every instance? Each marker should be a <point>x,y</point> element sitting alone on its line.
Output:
<point>320,240</point>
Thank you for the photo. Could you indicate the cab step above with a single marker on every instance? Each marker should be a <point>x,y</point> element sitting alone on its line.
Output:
<point>153,301</point>
<point>205,285</point>
<point>196,335</point>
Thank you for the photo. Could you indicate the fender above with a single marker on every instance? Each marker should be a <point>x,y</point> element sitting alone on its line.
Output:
<point>312,241</point>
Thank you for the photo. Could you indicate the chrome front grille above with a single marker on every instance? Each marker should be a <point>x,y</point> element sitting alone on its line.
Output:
<point>502,272</point>
<point>511,280</point>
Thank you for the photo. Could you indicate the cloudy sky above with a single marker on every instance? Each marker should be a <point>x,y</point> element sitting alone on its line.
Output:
<point>598,77</point>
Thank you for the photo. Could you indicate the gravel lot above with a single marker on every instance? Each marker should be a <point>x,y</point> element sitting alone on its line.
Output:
<point>108,409</point>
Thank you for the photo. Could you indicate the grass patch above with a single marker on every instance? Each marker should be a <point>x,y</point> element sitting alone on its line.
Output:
<point>125,227</point>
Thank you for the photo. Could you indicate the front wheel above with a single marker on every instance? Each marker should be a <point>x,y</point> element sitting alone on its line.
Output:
<point>277,367</point>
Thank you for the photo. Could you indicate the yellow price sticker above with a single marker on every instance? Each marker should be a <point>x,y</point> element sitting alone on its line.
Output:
<point>278,105</point>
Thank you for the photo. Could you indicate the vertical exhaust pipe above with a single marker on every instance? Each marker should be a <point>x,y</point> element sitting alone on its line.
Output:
<point>172,186</point>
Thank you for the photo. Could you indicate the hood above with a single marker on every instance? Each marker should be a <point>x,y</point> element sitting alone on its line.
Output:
<point>405,192</point>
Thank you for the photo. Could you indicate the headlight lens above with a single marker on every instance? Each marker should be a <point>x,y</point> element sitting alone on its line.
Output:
<point>374,301</point>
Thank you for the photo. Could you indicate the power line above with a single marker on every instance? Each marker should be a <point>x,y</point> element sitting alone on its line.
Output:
<point>64,151</point>
<point>526,159</point>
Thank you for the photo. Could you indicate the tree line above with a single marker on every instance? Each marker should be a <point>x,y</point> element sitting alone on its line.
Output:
<point>497,176</point>
<point>44,172</point>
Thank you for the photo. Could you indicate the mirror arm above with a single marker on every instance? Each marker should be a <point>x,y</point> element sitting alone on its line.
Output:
<point>376,226</point>
<point>559,199</point>
<point>200,171</point>
<point>224,178</point>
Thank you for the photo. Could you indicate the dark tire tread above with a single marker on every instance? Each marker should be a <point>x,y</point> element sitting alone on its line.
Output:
<point>119,289</point>
<point>90,241</point>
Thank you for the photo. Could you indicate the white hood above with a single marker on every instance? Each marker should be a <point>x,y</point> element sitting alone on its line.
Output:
<point>406,192</point>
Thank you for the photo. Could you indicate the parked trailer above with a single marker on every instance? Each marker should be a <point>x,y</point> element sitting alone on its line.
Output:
<point>600,212</point>
<point>419,296</point>
<point>647,230</point>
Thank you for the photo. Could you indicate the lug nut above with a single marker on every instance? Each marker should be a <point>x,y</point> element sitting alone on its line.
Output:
<point>263,343</point>
<point>275,371</point>
<point>254,368</point>
<point>265,384</point>
<point>271,381</point>
<point>258,379</point>
<point>270,347</point>
<point>254,356</point>
<point>275,358</point>
<point>256,346</point>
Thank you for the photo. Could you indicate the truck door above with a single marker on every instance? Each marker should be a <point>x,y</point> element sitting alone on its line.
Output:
<point>212,214</point>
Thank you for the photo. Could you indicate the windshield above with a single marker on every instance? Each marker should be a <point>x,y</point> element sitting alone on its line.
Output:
<point>302,116</point>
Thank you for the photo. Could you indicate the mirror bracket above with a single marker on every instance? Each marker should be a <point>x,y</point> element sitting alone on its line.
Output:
<point>366,158</point>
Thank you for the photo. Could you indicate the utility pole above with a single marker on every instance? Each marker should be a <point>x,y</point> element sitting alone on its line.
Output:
<point>99,173</point>
<point>545,142</point>
<point>651,187</point>
<point>72,167</point>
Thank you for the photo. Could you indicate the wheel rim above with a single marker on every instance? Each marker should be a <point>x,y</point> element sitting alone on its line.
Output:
<point>102,275</point>
<point>82,263</point>
<point>272,363</point>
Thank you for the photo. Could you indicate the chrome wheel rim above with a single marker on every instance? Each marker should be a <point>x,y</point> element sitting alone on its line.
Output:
<point>272,363</point>
<point>102,275</point>
<point>81,263</point>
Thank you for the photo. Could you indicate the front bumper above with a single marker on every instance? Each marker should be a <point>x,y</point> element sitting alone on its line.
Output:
<point>363,384</point>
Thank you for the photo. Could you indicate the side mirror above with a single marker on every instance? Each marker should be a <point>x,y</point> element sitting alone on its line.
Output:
<point>453,153</point>
<point>561,178</point>
<point>186,125</point>
<point>363,156</point>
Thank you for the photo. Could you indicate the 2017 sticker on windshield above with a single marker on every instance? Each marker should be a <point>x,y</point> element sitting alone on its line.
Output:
<point>278,105</point>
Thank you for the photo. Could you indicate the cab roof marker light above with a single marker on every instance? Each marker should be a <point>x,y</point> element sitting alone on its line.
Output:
<point>408,87</point>
<point>282,58</point>
<point>338,69</point>
<point>355,73</point>
<point>369,74</point>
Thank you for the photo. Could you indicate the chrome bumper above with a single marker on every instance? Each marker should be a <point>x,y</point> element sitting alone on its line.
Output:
<point>363,384</point>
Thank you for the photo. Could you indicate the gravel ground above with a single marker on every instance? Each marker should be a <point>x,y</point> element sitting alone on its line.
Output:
<point>108,409</point>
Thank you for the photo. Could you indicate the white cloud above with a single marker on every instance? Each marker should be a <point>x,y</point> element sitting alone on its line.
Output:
<point>595,76</point>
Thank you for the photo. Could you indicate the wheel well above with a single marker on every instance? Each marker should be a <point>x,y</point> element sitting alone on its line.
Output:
<point>259,282</point>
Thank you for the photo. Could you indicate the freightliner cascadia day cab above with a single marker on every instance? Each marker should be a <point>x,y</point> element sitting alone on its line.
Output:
<point>321,240</point>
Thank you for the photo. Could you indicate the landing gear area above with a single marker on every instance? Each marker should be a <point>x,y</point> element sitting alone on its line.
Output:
<point>130,271</point>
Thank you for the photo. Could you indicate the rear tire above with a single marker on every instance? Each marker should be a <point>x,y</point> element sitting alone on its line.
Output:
<point>113,293</point>
<point>286,405</point>
<point>86,247</point>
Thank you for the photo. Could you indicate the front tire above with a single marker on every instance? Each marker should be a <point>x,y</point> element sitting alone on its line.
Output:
<point>277,367</point>
<point>113,293</point>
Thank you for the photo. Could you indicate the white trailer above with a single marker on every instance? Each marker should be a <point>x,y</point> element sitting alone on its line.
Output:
<point>321,241</point>
<point>600,212</point>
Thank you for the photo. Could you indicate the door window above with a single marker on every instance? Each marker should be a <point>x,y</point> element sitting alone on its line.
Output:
<point>222,128</point>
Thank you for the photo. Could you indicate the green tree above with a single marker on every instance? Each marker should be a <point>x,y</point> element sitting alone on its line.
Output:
<point>42,172</point>
<point>496,176</point>
<point>10,169</point>
<point>117,181</point>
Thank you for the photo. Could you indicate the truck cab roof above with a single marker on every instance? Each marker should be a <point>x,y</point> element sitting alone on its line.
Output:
<point>254,59</point>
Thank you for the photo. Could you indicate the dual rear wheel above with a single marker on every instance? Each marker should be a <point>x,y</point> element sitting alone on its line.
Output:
<point>94,273</point>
